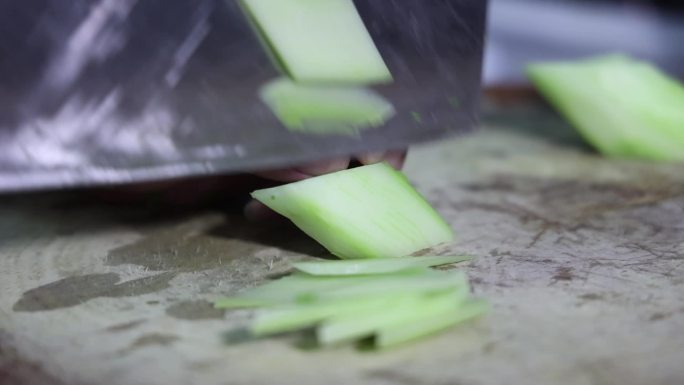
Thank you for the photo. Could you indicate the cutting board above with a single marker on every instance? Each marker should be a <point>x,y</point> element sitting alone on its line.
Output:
<point>582,259</point>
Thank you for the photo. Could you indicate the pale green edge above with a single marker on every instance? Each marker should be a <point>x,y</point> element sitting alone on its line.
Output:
<point>430,324</point>
<point>345,328</point>
<point>307,289</point>
<point>294,317</point>
<point>375,266</point>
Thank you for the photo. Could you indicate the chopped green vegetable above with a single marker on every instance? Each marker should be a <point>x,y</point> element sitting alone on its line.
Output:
<point>301,316</point>
<point>308,289</point>
<point>323,41</point>
<point>364,212</point>
<point>375,266</point>
<point>623,107</point>
<point>395,307</point>
<point>428,321</point>
<point>400,310</point>
<point>326,109</point>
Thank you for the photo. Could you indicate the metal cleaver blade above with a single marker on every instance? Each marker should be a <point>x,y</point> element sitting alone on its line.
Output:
<point>119,91</point>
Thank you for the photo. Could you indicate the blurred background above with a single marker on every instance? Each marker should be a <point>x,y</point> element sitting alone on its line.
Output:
<point>520,31</point>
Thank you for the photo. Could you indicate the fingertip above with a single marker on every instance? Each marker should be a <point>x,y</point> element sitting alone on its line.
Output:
<point>324,167</point>
<point>396,158</point>
<point>256,211</point>
<point>371,158</point>
<point>284,175</point>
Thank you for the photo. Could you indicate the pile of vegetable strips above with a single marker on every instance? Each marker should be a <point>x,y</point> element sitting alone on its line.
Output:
<point>372,218</point>
<point>365,298</point>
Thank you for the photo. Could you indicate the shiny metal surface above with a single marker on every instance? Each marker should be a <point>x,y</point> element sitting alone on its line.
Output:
<point>112,91</point>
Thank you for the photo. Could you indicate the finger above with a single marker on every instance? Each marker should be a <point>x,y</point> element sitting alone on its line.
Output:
<point>256,211</point>
<point>396,158</point>
<point>371,158</point>
<point>324,167</point>
<point>306,171</point>
<point>283,175</point>
<point>194,192</point>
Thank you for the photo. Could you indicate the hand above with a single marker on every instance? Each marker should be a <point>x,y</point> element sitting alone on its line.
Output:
<point>224,189</point>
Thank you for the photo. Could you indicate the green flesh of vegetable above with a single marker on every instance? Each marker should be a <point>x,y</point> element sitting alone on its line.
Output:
<point>321,41</point>
<point>302,316</point>
<point>623,107</point>
<point>307,289</point>
<point>374,266</point>
<point>400,310</point>
<point>326,109</point>
<point>428,321</point>
<point>364,212</point>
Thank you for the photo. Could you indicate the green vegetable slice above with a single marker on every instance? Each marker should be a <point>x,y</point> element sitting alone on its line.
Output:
<point>399,311</point>
<point>364,212</point>
<point>326,109</point>
<point>375,266</point>
<point>319,41</point>
<point>307,289</point>
<point>297,317</point>
<point>428,322</point>
<point>623,107</point>
<point>395,307</point>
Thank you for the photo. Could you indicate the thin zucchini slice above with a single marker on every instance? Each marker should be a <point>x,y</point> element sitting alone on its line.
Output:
<point>623,107</point>
<point>319,41</point>
<point>364,212</point>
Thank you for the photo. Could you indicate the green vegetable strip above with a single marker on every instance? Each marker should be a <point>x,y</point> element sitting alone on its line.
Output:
<point>375,266</point>
<point>323,41</point>
<point>381,284</point>
<point>428,322</point>
<point>365,323</point>
<point>326,109</point>
<point>395,307</point>
<point>302,316</point>
<point>364,212</point>
<point>623,107</point>
<point>285,290</point>
<point>311,289</point>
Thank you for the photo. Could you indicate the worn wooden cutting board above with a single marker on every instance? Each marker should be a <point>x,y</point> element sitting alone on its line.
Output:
<point>581,257</point>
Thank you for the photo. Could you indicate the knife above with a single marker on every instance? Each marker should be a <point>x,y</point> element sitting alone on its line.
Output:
<point>118,91</point>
